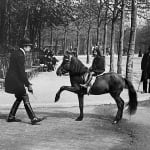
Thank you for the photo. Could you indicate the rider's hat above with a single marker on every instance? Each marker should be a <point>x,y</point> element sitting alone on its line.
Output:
<point>25,42</point>
<point>98,50</point>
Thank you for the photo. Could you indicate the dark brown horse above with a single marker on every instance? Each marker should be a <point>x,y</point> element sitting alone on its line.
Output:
<point>107,83</point>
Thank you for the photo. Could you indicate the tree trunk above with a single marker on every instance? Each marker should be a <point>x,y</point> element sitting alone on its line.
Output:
<point>120,51</point>
<point>88,45</point>
<point>51,39</point>
<point>65,39</point>
<point>105,31</point>
<point>8,23</point>
<point>112,46</point>
<point>26,34</point>
<point>3,7</point>
<point>105,38</point>
<point>78,42</point>
<point>131,48</point>
<point>39,33</point>
<point>56,44</point>
<point>98,29</point>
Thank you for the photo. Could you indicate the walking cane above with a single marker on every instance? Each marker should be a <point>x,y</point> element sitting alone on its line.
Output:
<point>139,86</point>
<point>34,96</point>
<point>140,82</point>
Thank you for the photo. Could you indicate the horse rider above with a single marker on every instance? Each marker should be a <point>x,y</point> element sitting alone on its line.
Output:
<point>16,80</point>
<point>97,68</point>
<point>145,67</point>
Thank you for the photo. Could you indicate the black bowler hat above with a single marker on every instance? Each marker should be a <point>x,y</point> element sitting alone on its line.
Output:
<point>25,42</point>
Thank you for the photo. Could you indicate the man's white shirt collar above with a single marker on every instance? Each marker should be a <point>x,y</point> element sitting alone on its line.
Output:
<point>22,51</point>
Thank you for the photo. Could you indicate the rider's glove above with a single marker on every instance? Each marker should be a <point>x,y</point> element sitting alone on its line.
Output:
<point>30,89</point>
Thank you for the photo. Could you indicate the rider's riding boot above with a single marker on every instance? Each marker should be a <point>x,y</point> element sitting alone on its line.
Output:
<point>145,86</point>
<point>11,117</point>
<point>149,88</point>
<point>87,84</point>
<point>29,110</point>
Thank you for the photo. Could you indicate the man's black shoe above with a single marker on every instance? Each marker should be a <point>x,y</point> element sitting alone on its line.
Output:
<point>13,119</point>
<point>36,120</point>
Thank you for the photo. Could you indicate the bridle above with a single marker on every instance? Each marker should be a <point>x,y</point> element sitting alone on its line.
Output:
<point>64,67</point>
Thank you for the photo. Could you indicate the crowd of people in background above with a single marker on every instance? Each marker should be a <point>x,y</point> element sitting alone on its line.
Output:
<point>48,59</point>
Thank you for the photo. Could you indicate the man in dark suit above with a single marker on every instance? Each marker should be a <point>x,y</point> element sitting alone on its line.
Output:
<point>145,67</point>
<point>16,80</point>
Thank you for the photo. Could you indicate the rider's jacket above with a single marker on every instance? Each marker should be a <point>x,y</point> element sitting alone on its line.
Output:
<point>98,65</point>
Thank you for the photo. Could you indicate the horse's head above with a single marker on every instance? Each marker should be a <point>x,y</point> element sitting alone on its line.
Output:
<point>65,65</point>
<point>71,65</point>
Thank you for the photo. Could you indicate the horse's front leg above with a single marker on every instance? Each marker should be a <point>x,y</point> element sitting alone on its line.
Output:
<point>81,105</point>
<point>67,88</point>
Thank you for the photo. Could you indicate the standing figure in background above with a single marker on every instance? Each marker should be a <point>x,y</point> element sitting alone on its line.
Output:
<point>49,61</point>
<point>97,68</point>
<point>54,62</point>
<point>45,56</point>
<point>145,67</point>
<point>16,80</point>
<point>140,53</point>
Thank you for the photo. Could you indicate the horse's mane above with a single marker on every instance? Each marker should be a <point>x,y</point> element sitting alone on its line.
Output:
<point>77,67</point>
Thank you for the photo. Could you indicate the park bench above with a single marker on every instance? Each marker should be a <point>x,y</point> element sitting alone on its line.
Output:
<point>2,82</point>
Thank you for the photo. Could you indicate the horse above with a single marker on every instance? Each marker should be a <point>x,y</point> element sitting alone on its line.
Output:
<point>110,82</point>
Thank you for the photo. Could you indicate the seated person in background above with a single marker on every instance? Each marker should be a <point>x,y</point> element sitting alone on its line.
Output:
<point>97,68</point>
<point>54,61</point>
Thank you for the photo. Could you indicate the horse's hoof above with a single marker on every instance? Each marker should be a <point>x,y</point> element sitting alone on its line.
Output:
<point>115,121</point>
<point>79,119</point>
<point>56,98</point>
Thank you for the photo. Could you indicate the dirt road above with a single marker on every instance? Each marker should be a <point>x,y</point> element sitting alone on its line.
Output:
<point>60,131</point>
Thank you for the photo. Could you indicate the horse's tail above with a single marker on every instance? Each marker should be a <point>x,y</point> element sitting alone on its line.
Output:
<point>132,104</point>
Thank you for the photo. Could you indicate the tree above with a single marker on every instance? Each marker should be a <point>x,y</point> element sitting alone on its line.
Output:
<point>120,51</point>
<point>131,48</point>
<point>115,14</point>
<point>3,19</point>
<point>105,29</point>
<point>97,10</point>
<point>88,25</point>
<point>78,21</point>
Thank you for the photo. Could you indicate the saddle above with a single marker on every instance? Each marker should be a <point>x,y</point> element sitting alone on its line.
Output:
<point>89,79</point>
<point>86,76</point>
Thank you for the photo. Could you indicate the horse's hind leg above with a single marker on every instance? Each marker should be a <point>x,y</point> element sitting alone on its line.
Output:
<point>120,105</point>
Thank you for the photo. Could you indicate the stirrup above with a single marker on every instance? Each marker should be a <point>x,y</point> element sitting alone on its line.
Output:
<point>84,85</point>
<point>88,90</point>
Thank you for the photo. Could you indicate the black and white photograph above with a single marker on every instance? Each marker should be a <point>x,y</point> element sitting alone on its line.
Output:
<point>74,74</point>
